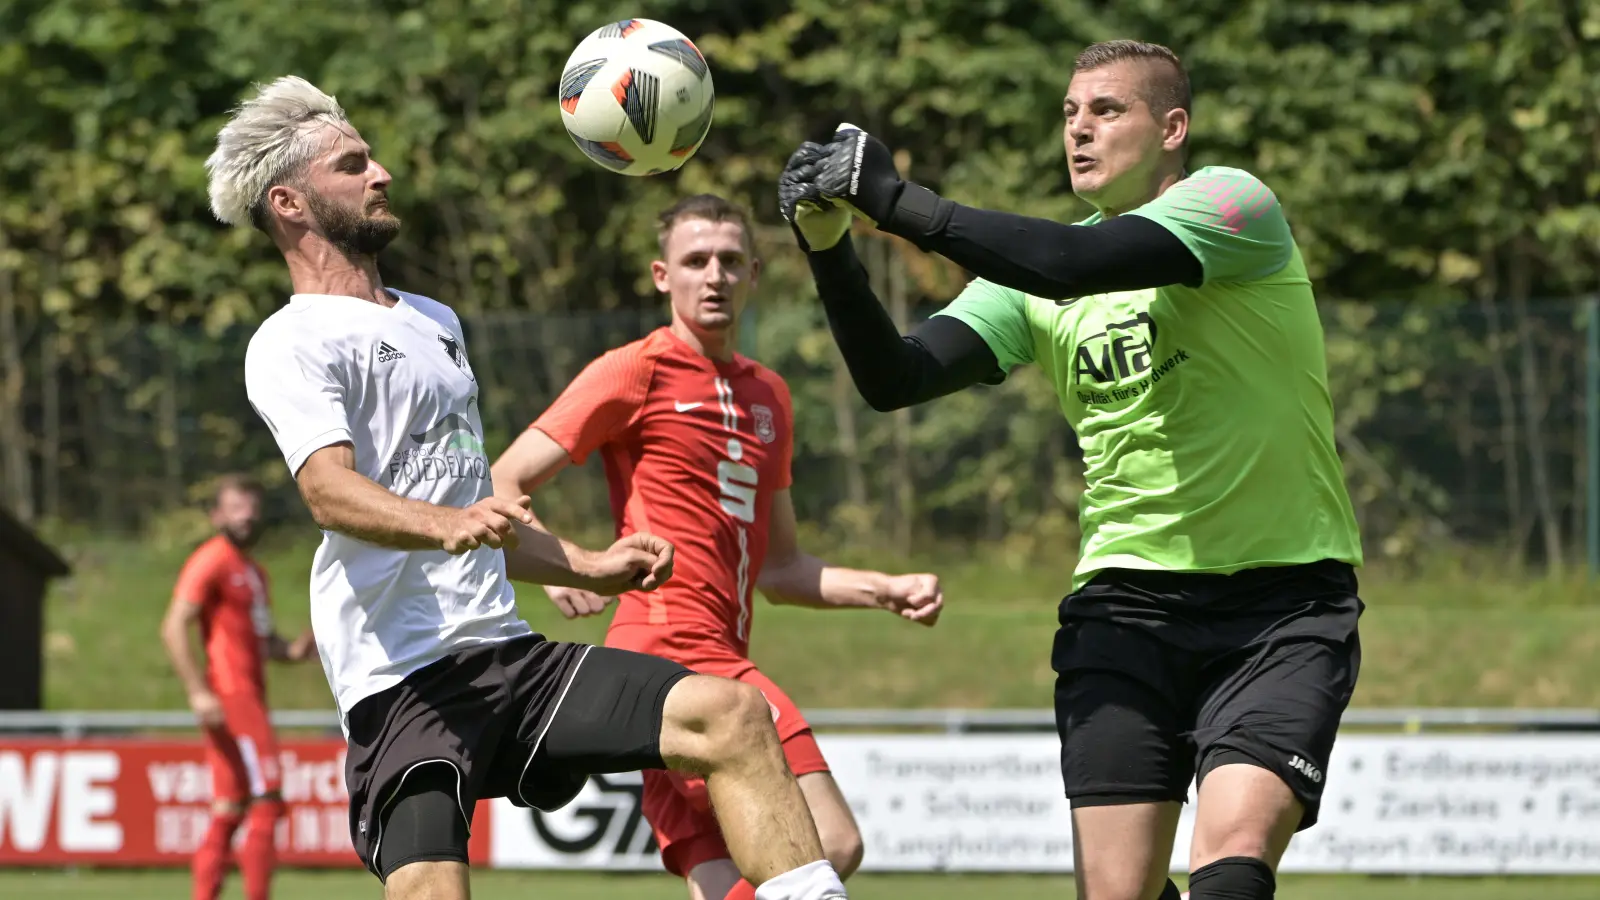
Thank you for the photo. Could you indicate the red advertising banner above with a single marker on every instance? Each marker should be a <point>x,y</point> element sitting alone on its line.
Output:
<point>148,803</point>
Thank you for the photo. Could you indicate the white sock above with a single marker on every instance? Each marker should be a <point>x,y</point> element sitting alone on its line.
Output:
<point>812,881</point>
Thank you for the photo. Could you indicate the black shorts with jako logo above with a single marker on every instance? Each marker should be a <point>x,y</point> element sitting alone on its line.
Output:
<point>1161,677</point>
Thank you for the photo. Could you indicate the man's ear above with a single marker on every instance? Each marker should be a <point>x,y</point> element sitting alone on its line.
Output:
<point>286,203</point>
<point>1176,132</point>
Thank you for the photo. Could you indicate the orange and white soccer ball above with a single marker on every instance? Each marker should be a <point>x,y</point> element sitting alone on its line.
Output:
<point>636,97</point>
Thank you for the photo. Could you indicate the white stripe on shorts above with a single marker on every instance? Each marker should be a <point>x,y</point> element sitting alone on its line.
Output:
<point>548,721</point>
<point>252,766</point>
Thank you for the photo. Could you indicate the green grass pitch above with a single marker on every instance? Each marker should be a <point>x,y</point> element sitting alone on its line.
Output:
<point>164,885</point>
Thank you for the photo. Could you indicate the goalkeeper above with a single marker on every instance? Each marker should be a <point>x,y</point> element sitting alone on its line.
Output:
<point>1211,628</point>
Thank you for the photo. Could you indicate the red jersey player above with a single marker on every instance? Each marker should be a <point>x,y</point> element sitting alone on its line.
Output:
<point>224,591</point>
<point>696,442</point>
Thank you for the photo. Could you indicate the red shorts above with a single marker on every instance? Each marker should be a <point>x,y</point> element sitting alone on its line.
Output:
<point>678,807</point>
<point>243,752</point>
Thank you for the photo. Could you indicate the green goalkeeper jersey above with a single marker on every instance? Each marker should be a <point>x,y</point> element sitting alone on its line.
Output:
<point>1203,411</point>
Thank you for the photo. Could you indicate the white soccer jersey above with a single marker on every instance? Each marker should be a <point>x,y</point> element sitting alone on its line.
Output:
<point>393,382</point>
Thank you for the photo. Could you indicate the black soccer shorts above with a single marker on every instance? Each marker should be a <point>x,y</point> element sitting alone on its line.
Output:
<point>1163,676</point>
<point>526,719</point>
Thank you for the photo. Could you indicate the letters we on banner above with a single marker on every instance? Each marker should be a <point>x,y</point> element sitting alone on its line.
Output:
<point>146,803</point>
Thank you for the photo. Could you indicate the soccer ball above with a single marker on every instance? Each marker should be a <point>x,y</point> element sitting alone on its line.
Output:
<point>636,97</point>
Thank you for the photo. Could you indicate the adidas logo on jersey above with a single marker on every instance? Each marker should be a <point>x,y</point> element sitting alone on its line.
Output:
<point>387,353</point>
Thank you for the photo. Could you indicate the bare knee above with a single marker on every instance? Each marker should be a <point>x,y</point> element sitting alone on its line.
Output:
<point>1229,839</point>
<point>1243,810</point>
<point>708,722</point>
<point>227,809</point>
<point>427,881</point>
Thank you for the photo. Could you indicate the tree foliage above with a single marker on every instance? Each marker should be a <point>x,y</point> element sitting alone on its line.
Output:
<point>1439,154</point>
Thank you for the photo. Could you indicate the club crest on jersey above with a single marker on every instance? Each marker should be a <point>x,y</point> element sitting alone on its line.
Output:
<point>765,429</point>
<point>452,349</point>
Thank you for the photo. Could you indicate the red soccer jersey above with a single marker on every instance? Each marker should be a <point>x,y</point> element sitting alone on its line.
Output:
<point>694,451</point>
<point>231,591</point>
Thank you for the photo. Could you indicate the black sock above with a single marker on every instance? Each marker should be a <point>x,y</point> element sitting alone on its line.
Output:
<point>1234,878</point>
<point>1170,892</point>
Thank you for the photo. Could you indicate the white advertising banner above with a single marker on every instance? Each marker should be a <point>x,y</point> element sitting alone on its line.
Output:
<point>956,802</point>
<point>1395,803</point>
<point>1470,804</point>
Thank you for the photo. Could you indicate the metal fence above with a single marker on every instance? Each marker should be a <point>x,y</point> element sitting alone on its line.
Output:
<point>1462,423</point>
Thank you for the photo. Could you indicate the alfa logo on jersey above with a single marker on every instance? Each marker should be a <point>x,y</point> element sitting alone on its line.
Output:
<point>1105,364</point>
<point>1117,353</point>
<point>765,428</point>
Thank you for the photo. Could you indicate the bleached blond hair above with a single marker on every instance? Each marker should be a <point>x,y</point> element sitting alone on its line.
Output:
<point>269,138</point>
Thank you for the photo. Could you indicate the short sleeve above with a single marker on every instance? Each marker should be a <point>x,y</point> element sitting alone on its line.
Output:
<point>602,402</point>
<point>1000,316</point>
<point>198,578</point>
<point>1229,220</point>
<point>299,390</point>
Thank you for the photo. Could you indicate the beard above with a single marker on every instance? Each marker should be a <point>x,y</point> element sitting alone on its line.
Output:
<point>351,231</point>
<point>242,535</point>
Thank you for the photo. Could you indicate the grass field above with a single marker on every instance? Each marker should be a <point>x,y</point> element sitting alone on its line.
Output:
<point>1464,634</point>
<point>1460,634</point>
<point>544,886</point>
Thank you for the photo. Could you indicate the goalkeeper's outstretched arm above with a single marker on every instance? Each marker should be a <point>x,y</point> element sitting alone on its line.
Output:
<point>944,355</point>
<point>1045,258</point>
<point>939,357</point>
<point>1036,256</point>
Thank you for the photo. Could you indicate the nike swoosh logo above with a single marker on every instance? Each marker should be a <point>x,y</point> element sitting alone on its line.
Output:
<point>685,407</point>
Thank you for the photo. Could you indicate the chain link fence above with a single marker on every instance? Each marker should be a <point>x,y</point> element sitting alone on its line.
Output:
<point>1462,424</point>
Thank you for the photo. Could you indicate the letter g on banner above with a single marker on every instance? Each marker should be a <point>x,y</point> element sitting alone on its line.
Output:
<point>604,827</point>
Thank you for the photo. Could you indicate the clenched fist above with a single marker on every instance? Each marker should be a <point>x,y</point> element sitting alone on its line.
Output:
<point>915,597</point>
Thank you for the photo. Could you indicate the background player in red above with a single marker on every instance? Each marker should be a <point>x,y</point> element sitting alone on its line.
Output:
<point>223,591</point>
<point>697,441</point>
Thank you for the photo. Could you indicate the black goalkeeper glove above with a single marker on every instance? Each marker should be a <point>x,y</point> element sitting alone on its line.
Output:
<point>856,170</point>
<point>818,224</point>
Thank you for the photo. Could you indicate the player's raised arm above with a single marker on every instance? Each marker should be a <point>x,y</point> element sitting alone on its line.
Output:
<point>1037,256</point>
<point>793,577</point>
<point>939,357</point>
